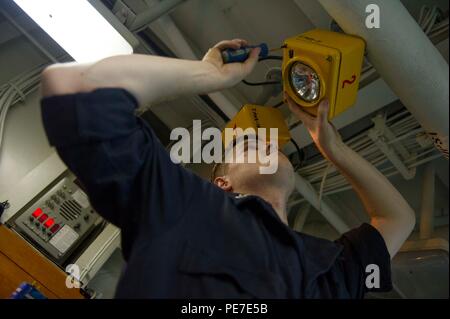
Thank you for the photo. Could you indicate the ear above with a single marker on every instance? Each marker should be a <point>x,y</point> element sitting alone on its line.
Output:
<point>224,183</point>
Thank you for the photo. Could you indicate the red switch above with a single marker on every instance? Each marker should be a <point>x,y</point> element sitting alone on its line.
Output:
<point>43,217</point>
<point>49,222</point>
<point>37,212</point>
<point>55,228</point>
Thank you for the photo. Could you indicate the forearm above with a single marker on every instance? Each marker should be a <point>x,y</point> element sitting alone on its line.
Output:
<point>379,196</point>
<point>153,79</point>
<point>388,210</point>
<point>149,78</point>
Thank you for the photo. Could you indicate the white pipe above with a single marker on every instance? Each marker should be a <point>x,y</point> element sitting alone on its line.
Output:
<point>300,218</point>
<point>265,95</point>
<point>183,50</point>
<point>405,58</point>
<point>310,194</point>
<point>427,205</point>
<point>224,104</point>
<point>28,36</point>
<point>177,40</point>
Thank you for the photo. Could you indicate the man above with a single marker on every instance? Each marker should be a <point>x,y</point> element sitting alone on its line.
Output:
<point>183,237</point>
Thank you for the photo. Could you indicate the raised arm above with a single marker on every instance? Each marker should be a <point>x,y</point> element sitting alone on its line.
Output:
<point>389,212</point>
<point>150,78</point>
<point>89,117</point>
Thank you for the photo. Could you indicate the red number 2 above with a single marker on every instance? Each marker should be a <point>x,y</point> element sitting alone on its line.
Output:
<point>349,81</point>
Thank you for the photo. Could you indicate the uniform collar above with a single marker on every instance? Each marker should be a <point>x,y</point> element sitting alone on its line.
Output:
<point>244,199</point>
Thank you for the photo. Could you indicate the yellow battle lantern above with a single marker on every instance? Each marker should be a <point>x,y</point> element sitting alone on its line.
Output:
<point>323,64</point>
<point>255,116</point>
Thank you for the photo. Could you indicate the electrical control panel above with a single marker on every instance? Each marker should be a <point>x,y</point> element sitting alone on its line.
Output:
<point>58,220</point>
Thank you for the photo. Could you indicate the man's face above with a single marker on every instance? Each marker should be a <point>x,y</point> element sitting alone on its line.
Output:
<point>249,174</point>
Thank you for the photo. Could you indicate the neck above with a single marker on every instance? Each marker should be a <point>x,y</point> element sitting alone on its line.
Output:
<point>273,196</point>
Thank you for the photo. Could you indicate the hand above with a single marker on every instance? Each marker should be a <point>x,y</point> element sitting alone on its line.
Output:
<point>323,133</point>
<point>232,73</point>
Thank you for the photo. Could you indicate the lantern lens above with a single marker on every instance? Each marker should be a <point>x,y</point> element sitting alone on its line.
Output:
<point>305,82</point>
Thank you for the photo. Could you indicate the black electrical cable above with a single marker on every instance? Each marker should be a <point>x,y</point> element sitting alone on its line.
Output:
<point>301,154</point>
<point>271,57</point>
<point>260,83</point>
<point>278,104</point>
<point>3,206</point>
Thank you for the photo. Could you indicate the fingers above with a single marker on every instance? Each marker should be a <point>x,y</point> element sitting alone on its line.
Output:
<point>230,44</point>
<point>306,118</point>
<point>251,61</point>
<point>215,53</point>
<point>322,112</point>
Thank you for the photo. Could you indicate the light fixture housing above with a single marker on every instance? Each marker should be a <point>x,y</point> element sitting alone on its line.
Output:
<point>323,64</point>
<point>77,27</point>
<point>257,116</point>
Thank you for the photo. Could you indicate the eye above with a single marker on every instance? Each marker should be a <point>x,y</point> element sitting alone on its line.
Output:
<point>269,149</point>
<point>250,145</point>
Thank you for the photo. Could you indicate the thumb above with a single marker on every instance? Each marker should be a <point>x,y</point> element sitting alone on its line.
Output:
<point>297,110</point>
<point>251,61</point>
<point>323,110</point>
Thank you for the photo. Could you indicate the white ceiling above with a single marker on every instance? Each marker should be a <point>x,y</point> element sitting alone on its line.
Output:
<point>205,23</point>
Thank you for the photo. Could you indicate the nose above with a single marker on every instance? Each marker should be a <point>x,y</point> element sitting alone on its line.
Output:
<point>270,148</point>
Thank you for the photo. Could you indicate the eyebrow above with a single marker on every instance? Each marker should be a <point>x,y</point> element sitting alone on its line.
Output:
<point>256,141</point>
<point>246,142</point>
<point>228,149</point>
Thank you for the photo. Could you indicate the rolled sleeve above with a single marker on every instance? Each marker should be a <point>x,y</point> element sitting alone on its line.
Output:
<point>89,117</point>
<point>365,261</point>
<point>125,170</point>
<point>99,138</point>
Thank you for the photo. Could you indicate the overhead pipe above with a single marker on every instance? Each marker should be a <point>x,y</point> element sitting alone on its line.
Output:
<point>309,193</point>
<point>28,36</point>
<point>265,95</point>
<point>184,51</point>
<point>404,57</point>
<point>268,91</point>
<point>301,216</point>
<point>427,205</point>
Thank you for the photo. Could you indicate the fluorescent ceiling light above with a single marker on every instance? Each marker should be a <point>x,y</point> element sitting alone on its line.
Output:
<point>77,27</point>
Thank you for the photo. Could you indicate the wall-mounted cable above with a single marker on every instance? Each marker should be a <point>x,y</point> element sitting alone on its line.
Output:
<point>261,83</point>
<point>279,104</point>
<point>269,57</point>
<point>300,153</point>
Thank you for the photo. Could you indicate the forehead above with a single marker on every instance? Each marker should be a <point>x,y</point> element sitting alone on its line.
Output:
<point>242,141</point>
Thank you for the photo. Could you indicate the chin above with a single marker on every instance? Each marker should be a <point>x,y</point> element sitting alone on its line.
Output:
<point>285,173</point>
<point>250,175</point>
